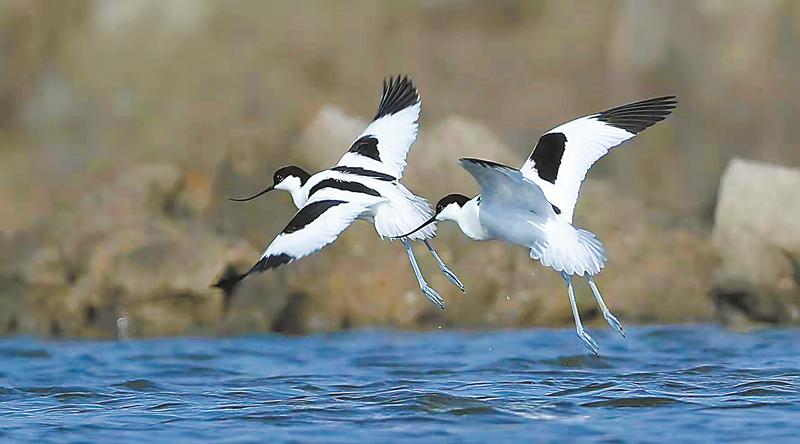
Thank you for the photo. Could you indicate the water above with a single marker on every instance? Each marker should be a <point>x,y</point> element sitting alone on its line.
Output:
<point>676,384</point>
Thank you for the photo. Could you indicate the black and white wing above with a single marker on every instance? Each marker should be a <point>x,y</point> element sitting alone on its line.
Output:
<point>563,155</point>
<point>313,227</point>
<point>506,187</point>
<point>384,145</point>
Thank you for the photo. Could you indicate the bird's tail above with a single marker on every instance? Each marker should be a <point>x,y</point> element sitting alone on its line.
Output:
<point>571,250</point>
<point>404,213</point>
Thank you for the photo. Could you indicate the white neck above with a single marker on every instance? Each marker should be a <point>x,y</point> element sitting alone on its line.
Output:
<point>292,185</point>
<point>467,218</point>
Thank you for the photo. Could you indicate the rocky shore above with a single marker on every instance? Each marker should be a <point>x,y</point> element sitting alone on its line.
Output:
<point>140,251</point>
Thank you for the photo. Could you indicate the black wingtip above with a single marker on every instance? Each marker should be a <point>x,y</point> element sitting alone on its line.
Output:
<point>270,262</point>
<point>637,116</point>
<point>231,278</point>
<point>229,281</point>
<point>398,94</point>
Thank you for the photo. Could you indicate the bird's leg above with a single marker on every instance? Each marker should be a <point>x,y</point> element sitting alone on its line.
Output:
<point>610,318</point>
<point>587,340</point>
<point>426,289</point>
<point>450,275</point>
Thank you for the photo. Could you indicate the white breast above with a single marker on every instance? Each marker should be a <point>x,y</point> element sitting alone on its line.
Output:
<point>469,221</point>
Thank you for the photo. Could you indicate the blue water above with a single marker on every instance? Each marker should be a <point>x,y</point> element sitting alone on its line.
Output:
<point>678,384</point>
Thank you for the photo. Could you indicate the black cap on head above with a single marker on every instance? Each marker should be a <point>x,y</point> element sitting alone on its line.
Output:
<point>291,170</point>
<point>278,177</point>
<point>459,199</point>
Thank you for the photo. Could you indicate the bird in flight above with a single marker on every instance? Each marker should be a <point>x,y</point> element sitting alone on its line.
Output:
<point>533,206</point>
<point>364,185</point>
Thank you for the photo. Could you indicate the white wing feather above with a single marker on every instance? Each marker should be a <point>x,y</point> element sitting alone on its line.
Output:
<point>587,139</point>
<point>321,231</point>
<point>395,128</point>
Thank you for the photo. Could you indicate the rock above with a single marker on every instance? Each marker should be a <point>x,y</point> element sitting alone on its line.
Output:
<point>256,220</point>
<point>13,302</point>
<point>137,249</point>
<point>756,229</point>
<point>143,249</point>
<point>433,166</point>
<point>160,274</point>
<point>742,305</point>
<point>325,139</point>
<point>757,236</point>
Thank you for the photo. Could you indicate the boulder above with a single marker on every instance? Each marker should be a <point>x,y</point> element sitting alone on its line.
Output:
<point>325,139</point>
<point>141,251</point>
<point>757,236</point>
<point>137,249</point>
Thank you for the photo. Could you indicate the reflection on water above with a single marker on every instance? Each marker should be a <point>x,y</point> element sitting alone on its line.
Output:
<point>685,383</point>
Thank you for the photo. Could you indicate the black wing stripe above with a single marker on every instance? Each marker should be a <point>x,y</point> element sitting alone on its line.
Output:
<point>366,146</point>
<point>343,185</point>
<point>638,116</point>
<point>398,94</point>
<point>547,155</point>
<point>358,171</point>
<point>230,283</point>
<point>305,216</point>
<point>308,214</point>
<point>268,262</point>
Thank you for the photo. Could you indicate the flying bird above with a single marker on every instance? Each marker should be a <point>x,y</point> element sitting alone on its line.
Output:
<point>533,206</point>
<point>364,185</point>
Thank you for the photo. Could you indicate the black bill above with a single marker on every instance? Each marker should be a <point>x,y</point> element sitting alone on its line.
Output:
<point>428,222</point>
<point>244,199</point>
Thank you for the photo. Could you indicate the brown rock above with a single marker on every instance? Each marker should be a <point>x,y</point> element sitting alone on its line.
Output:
<point>133,249</point>
<point>325,139</point>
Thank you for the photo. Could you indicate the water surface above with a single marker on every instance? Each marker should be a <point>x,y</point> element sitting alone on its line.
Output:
<point>695,383</point>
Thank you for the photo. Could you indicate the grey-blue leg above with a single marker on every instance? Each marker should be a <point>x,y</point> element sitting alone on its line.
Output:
<point>450,275</point>
<point>426,289</point>
<point>587,340</point>
<point>612,321</point>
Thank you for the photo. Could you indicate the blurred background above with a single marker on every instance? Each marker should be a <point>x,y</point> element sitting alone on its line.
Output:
<point>125,124</point>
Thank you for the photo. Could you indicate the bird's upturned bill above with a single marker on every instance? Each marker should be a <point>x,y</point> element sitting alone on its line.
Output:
<point>245,199</point>
<point>428,222</point>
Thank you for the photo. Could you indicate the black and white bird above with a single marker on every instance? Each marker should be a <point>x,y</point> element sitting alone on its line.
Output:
<point>533,206</point>
<point>364,185</point>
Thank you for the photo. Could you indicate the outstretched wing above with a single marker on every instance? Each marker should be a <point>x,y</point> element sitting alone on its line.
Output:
<point>313,227</point>
<point>384,145</point>
<point>563,155</point>
<point>506,186</point>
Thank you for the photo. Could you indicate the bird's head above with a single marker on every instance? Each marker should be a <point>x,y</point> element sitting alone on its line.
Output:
<point>448,208</point>
<point>289,178</point>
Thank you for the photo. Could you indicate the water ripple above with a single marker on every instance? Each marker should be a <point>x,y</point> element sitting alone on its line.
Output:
<point>686,383</point>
